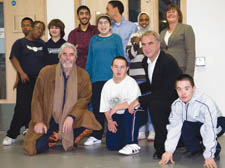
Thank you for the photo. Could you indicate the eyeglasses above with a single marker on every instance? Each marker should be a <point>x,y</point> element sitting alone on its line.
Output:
<point>103,22</point>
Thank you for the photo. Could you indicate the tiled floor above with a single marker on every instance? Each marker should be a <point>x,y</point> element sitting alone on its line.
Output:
<point>96,156</point>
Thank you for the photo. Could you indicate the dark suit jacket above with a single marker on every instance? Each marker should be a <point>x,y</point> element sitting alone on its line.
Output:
<point>164,76</point>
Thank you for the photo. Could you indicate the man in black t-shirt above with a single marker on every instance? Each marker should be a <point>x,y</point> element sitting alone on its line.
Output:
<point>28,57</point>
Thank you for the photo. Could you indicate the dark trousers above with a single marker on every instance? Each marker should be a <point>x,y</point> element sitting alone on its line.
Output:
<point>22,111</point>
<point>191,136</point>
<point>42,142</point>
<point>159,112</point>
<point>127,131</point>
<point>95,101</point>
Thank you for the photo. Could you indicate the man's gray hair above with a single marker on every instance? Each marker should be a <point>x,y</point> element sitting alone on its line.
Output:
<point>153,33</point>
<point>67,45</point>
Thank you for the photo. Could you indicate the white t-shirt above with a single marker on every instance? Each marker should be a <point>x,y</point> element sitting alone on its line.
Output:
<point>117,93</point>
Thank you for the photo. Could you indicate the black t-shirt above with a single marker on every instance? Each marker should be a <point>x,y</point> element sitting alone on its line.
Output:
<point>30,54</point>
<point>53,50</point>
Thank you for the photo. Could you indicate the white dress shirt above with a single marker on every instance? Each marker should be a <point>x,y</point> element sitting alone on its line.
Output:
<point>151,67</point>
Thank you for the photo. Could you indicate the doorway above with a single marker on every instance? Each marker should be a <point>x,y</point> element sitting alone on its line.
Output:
<point>16,11</point>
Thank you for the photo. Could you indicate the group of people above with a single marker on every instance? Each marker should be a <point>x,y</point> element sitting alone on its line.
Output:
<point>127,75</point>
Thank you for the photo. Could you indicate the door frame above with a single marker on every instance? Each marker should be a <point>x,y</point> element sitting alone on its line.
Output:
<point>11,35</point>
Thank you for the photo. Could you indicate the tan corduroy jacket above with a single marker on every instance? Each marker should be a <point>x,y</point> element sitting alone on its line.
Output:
<point>42,105</point>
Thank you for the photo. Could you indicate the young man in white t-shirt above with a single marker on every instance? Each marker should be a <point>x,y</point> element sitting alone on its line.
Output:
<point>116,96</point>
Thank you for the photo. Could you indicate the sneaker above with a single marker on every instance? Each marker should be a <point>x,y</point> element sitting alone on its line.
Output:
<point>8,141</point>
<point>141,136</point>
<point>91,141</point>
<point>130,149</point>
<point>151,136</point>
<point>25,131</point>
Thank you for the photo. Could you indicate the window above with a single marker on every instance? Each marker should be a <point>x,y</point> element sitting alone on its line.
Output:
<point>134,9</point>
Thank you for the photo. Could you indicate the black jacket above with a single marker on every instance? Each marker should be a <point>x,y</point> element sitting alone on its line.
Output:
<point>164,76</point>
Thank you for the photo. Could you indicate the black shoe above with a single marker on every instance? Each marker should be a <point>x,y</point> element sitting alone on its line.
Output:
<point>217,158</point>
<point>189,154</point>
<point>157,156</point>
<point>217,155</point>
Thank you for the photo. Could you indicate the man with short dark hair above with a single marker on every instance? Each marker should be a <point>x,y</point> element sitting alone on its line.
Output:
<point>120,26</point>
<point>197,120</point>
<point>26,25</point>
<point>81,35</point>
<point>28,56</point>
<point>60,104</point>
<point>117,94</point>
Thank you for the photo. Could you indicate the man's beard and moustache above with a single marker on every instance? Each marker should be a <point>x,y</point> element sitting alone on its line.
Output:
<point>67,64</point>
<point>84,21</point>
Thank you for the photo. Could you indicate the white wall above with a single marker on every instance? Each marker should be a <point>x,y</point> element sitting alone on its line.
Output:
<point>63,10</point>
<point>208,22</point>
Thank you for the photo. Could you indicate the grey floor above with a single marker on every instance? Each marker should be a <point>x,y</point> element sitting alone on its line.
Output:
<point>96,156</point>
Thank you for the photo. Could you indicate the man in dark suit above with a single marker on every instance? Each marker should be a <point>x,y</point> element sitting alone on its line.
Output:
<point>161,73</point>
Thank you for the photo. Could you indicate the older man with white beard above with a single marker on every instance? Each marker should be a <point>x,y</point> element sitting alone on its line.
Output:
<point>60,103</point>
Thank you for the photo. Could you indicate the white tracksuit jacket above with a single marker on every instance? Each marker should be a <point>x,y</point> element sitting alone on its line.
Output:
<point>200,108</point>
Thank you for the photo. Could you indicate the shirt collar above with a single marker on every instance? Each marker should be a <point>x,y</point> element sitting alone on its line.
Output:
<point>150,62</point>
<point>89,27</point>
<point>64,74</point>
<point>122,21</point>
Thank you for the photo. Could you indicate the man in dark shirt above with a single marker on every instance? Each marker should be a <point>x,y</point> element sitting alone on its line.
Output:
<point>56,31</point>
<point>28,57</point>
<point>81,35</point>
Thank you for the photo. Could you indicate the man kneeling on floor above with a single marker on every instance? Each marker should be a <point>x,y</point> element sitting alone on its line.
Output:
<point>197,120</point>
<point>116,95</point>
<point>60,103</point>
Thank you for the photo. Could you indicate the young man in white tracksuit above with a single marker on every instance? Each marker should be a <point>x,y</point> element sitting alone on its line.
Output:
<point>196,119</point>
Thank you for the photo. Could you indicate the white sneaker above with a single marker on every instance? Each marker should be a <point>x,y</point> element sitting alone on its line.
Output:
<point>91,141</point>
<point>151,136</point>
<point>8,141</point>
<point>141,135</point>
<point>130,149</point>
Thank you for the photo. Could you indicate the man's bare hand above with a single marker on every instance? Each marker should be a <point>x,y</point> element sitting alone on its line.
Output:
<point>210,163</point>
<point>68,125</point>
<point>112,126</point>
<point>24,78</point>
<point>40,128</point>
<point>166,157</point>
